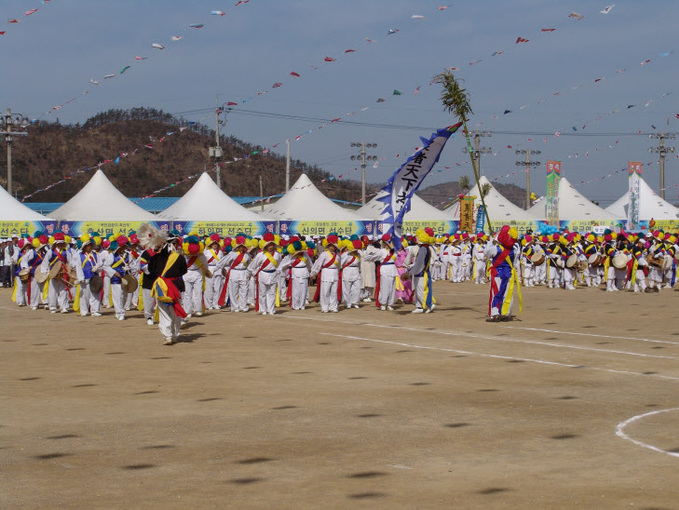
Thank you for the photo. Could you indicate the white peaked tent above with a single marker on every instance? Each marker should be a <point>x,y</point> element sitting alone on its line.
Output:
<point>13,210</point>
<point>304,202</point>
<point>573,206</point>
<point>100,200</point>
<point>206,202</point>
<point>500,210</point>
<point>651,206</point>
<point>419,210</point>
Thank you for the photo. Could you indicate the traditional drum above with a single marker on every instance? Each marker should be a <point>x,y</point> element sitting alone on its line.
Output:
<point>654,262</point>
<point>129,283</point>
<point>571,261</point>
<point>538,259</point>
<point>581,265</point>
<point>595,259</point>
<point>95,283</point>
<point>56,269</point>
<point>40,277</point>
<point>24,274</point>
<point>70,276</point>
<point>620,261</point>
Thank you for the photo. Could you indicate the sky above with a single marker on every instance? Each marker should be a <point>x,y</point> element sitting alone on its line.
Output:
<point>587,92</point>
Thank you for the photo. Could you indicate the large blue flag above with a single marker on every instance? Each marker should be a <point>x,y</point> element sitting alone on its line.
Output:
<point>407,179</point>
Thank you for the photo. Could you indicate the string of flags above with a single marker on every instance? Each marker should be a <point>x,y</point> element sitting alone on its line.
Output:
<point>13,21</point>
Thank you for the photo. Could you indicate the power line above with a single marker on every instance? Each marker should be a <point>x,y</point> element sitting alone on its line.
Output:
<point>302,118</point>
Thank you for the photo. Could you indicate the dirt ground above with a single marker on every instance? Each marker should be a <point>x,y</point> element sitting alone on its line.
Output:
<point>574,405</point>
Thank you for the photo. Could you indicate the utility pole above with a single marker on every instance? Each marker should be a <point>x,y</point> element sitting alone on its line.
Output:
<point>216,151</point>
<point>662,150</point>
<point>287,166</point>
<point>478,150</point>
<point>528,163</point>
<point>12,125</point>
<point>363,157</point>
<point>261,192</point>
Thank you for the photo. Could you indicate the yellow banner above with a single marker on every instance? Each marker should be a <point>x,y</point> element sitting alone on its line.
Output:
<point>223,228</point>
<point>104,228</point>
<point>17,228</point>
<point>439,227</point>
<point>467,214</point>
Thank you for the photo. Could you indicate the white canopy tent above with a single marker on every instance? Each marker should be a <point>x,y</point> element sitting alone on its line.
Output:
<point>651,206</point>
<point>13,210</point>
<point>206,202</point>
<point>500,209</point>
<point>419,210</point>
<point>574,207</point>
<point>304,202</point>
<point>100,200</point>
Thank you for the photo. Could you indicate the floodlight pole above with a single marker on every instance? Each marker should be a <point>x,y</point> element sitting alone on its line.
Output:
<point>12,125</point>
<point>287,166</point>
<point>528,163</point>
<point>363,157</point>
<point>662,150</point>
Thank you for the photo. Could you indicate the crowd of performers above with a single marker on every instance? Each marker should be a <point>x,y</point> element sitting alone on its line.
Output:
<point>170,277</point>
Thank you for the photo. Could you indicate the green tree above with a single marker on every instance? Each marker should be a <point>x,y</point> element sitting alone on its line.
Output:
<point>455,100</point>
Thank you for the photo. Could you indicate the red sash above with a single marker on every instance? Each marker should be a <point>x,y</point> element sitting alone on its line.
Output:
<point>222,296</point>
<point>377,280</point>
<point>288,293</point>
<point>493,273</point>
<point>317,295</point>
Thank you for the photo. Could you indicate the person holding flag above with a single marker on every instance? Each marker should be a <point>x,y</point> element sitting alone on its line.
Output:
<point>420,272</point>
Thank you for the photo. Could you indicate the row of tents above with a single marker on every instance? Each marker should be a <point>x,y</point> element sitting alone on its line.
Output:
<point>100,201</point>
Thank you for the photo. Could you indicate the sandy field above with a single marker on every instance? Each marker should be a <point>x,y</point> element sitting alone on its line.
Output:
<point>573,405</point>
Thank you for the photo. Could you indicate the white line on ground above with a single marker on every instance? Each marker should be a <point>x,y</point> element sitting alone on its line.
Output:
<point>506,339</point>
<point>620,431</point>
<point>497,356</point>
<point>652,340</point>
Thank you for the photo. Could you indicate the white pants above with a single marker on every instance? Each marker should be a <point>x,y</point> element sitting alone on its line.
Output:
<point>21,291</point>
<point>57,295</point>
<point>89,302</point>
<point>149,303</point>
<point>106,285</point>
<point>300,292</point>
<point>387,290</point>
<point>418,291</point>
<point>192,300</point>
<point>118,296</point>
<point>217,285</point>
<point>168,322</point>
<point>267,297</point>
<point>328,296</point>
<point>351,292</point>
<point>238,293</point>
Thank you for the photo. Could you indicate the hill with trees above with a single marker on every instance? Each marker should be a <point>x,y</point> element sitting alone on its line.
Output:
<point>154,149</point>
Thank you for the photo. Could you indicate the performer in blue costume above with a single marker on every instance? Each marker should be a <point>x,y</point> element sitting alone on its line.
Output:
<point>504,258</point>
